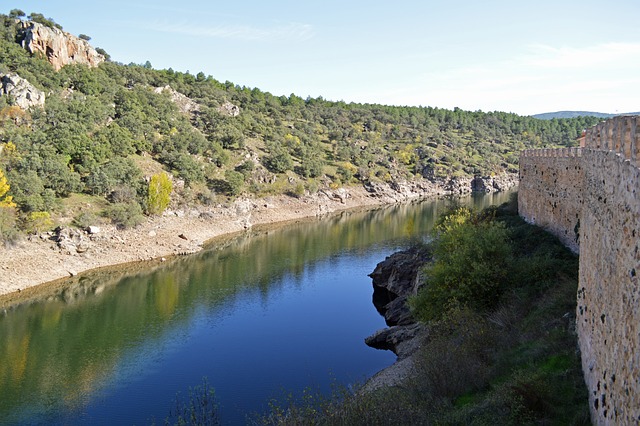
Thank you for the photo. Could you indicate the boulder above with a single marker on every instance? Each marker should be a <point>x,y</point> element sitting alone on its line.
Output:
<point>498,183</point>
<point>93,229</point>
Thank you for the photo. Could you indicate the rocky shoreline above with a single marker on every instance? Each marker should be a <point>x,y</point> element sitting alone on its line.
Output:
<point>54,256</point>
<point>394,280</point>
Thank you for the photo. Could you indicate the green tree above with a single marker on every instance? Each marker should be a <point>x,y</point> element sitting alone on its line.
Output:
<point>16,13</point>
<point>471,262</point>
<point>125,215</point>
<point>39,18</point>
<point>160,188</point>
<point>279,160</point>
<point>235,181</point>
<point>312,161</point>
<point>8,229</point>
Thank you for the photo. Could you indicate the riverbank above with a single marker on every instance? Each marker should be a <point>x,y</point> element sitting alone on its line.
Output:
<point>39,259</point>
<point>45,258</point>
<point>510,360</point>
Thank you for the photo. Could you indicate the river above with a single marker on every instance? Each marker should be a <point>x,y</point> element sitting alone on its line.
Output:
<point>257,316</point>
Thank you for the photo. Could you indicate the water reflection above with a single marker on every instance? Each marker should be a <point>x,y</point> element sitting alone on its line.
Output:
<point>63,352</point>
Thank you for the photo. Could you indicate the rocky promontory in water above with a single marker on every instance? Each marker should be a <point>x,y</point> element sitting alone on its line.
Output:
<point>394,280</point>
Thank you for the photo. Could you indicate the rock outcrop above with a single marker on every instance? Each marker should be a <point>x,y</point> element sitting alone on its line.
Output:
<point>185,104</point>
<point>494,183</point>
<point>59,47</point>
<point>394,280</point>
<point>71,241</point>
<point>229,109</point>
<point>403,190</point>
<point>22,93</point>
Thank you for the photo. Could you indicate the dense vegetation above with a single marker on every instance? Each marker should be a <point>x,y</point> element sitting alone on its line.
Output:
<point>509,359</point>
<point>104,130</point>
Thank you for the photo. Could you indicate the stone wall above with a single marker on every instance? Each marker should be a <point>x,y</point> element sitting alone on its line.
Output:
<point>592,194</point>
<point>620,134</point>
<point>549,195</point>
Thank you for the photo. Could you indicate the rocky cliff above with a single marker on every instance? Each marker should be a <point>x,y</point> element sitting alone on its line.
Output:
<point>59,47</point>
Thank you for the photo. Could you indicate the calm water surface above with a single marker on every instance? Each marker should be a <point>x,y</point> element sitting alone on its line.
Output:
<point>261,315</point>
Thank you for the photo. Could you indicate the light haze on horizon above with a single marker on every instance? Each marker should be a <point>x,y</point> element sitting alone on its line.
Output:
<point>491,56</point>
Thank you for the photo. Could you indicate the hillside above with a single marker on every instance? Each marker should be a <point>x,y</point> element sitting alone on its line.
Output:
<point>571,114</point>
<point>575,114</point>
<point>94,131</point>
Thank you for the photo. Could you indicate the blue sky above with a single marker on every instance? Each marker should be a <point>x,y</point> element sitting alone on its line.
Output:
<point>522,57</point>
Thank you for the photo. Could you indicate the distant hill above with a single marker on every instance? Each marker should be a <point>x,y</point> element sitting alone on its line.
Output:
<point>574,114</point>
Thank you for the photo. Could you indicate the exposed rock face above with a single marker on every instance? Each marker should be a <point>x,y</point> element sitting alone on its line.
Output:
<point>23,93</point>
<point>494,183</point>
<point>59,47</point>
<point>394,280</point>
<point>229,109</point>
<point>185,104</point>
<point>403,340</point>
<point>402,190</point>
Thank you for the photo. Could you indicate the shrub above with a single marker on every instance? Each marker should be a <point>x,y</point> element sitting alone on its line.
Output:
<point>5,200</point>
<point>235,181</point>
<point>279,160</point>
<point>122,194</point>
<point>470,267</point>
<point>84,220</point>
<point>246,168</point>
<point>160,188</point>
<point>311,163</point>
<point>125,215</point>
<point>8,230</point>
<point>346,171</point>
<point>37,222</point>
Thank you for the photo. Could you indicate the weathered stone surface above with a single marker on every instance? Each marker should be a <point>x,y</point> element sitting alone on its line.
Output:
<point>558,202</point>
<point>59,47</point>
<point>229,109</point>
<point>494,183</point>
<point>589,198</point>
<point>71,240</point>
<point>398,338</point>
<point>22,93</point>
<point>402,190</point>
<point>394,280</point>
<point>397,277</point>
<point>185,104</point>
